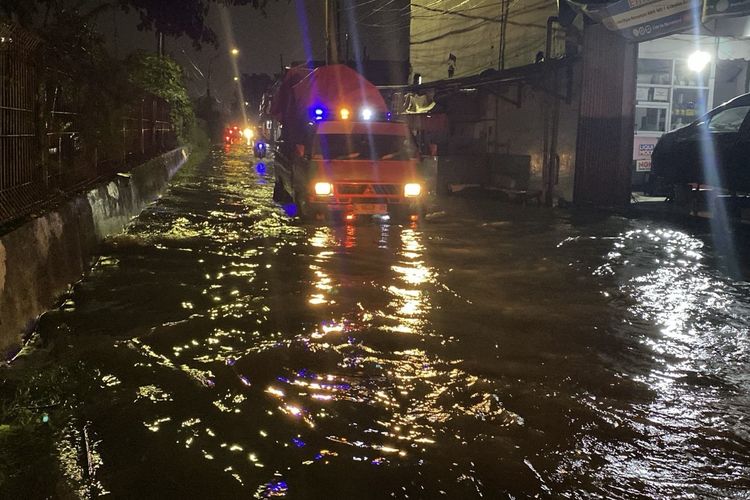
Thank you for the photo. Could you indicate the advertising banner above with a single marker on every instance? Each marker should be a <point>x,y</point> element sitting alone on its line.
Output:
<point>642,20</point>
<point>725,8</point>
<point>643,146</point>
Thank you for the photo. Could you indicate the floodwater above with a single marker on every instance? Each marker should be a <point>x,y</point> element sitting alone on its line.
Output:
<point>491,350</point>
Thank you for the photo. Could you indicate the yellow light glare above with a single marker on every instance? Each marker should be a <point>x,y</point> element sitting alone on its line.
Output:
<point>248,133</point>
<point>412,189</point>
<point>344,113</point>
<point>323,188</point>
<point>235,51</point>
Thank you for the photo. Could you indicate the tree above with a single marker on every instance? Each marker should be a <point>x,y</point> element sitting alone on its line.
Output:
<point>162,77</point>
<point>172,17</point>
<point>181,17</point>
<point>78,75</point>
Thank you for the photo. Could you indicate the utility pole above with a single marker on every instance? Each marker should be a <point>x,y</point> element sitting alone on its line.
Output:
<point>160,43</point>
<point>346,41</point>
<point>208,78</point>
<point>332,36</point>
<point>504,10</point>
<point>328,31</point>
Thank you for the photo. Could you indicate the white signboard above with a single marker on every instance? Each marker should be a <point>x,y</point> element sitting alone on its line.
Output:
<point>643,146</point>
<point>641,20</point>
<point>643,166</point>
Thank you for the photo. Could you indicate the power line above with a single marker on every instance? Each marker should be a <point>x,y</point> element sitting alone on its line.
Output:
<point>463,10</point>
<point>499,20</point>
<point>455,13</point>
<point>452,32</point>
<point>357,6</point>
<point>375,11</point>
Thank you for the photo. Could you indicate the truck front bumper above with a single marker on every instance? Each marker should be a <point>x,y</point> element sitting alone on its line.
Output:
<point>368,205</point>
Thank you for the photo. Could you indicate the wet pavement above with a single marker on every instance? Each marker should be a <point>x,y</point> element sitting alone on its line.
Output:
<point>225,350</point>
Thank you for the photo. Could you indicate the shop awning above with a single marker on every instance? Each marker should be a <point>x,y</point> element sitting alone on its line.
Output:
<point>417,104</point>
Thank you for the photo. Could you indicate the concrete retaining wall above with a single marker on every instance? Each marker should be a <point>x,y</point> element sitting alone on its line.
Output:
<point>42,258</point>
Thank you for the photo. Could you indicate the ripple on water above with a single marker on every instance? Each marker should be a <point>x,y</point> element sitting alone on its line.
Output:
<point>524,353</point>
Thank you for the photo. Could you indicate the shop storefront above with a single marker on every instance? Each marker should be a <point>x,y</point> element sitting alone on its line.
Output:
<point>692,56</point>
<point>679,78</point>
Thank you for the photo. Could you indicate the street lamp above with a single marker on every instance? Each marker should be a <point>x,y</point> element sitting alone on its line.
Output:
<point>236,78</point>
<point>235,51</point>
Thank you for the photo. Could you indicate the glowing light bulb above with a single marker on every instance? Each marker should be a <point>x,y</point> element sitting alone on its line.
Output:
<point>698,60</point>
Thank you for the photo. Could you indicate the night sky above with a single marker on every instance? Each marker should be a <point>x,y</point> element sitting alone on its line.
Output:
<point>380,26</point>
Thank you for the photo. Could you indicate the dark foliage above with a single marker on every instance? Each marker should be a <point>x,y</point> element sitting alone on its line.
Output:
<point>163,77</point>
<point>172,17</point>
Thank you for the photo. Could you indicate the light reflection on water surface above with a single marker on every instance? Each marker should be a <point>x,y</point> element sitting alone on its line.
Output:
<point>495,351</point>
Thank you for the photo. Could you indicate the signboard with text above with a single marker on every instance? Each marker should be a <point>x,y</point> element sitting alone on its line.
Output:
<point>643,146</point>
<point>643,166</point>
<point>725,8</point>
<point>642,20</point>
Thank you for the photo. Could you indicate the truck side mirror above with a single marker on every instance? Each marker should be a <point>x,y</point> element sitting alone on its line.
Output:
<point>300,150</point>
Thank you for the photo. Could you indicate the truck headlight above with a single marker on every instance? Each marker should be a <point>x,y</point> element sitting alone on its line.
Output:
<point>323,188</point>
<point>412,189</point>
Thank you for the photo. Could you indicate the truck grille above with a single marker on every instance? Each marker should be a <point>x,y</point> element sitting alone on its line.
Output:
<point>360,189</point>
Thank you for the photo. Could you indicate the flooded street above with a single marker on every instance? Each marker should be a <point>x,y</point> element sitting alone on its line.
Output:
<point>225,350</point>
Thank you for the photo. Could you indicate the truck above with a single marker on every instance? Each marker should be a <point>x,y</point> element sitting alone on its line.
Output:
<point>340,152</point>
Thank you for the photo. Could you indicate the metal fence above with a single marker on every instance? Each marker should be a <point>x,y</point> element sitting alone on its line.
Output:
<point>71,163</point>
<point>42,153</point>
<point>19,144</point>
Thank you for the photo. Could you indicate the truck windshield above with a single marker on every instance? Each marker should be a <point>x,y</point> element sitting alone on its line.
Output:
<point>364,147</point>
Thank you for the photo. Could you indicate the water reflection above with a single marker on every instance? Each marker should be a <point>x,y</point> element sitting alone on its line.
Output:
<point>409,299</point>
<point>692,323</point>
<point>388,399</point>
<point>322,243</point>
<point>249,354</point>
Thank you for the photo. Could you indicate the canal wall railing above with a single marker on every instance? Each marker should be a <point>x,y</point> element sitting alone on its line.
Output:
<point>40,259</point>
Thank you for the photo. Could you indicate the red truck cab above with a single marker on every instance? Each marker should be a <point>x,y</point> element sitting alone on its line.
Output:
<point>354,168</point>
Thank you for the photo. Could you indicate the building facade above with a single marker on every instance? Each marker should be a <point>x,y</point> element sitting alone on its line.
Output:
<point>577,95</point>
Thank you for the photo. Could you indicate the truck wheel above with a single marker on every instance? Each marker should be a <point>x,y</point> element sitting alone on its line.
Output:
<point>306,210</point>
